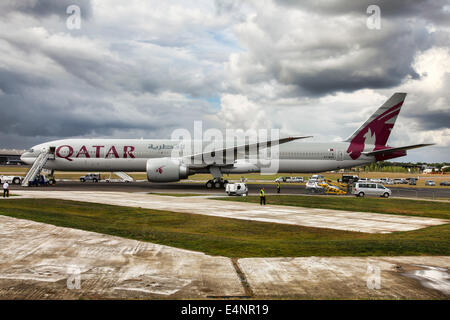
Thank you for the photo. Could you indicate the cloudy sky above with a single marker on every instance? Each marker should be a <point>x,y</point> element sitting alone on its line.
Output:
<point>141,68</point>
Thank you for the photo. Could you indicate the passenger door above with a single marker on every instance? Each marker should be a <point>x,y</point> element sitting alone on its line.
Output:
<point>380,189</point>
<point>372,189</point>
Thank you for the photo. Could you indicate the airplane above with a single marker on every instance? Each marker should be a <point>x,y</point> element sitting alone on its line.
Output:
<point>366,145</point>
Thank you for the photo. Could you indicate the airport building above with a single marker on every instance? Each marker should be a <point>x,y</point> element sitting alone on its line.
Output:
<point>10,156</point>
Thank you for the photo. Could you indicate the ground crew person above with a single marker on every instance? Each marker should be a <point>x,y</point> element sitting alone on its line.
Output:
<point>278,187</point>
<point>6,189</point>
<point>262,197</point>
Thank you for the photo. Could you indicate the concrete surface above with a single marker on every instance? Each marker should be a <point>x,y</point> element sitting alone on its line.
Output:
<point>309,217</point>
<point>38,261</point>
<point>349,277</point>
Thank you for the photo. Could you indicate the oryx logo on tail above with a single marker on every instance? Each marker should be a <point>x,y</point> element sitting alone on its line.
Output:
<point>369,140</point>
<point>374,133</point>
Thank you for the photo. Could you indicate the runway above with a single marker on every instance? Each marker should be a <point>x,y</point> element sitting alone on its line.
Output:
<point>41,261</point>
<point>309,217</point>
<point>195,187</point>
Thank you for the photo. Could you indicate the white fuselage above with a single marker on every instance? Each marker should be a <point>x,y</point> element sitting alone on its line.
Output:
<point>132,155</point>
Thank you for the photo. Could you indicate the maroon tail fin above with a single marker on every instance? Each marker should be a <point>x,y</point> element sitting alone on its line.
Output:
<point>376,130</point>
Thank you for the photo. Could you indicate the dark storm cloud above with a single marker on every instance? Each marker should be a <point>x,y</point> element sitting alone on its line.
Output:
<point>335,51</point>
<point>59,84</point>
<point>434,10</point>
<point>44,8</point>
<point>430,112</point>
<point>126,75</point>
<point>432,120</point>
<point>66,115</point>
<point>388,63</point>
<point>330,80</point>
<point>13,82</point>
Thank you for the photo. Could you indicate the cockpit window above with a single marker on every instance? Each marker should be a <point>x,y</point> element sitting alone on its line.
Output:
<point>30,150</point>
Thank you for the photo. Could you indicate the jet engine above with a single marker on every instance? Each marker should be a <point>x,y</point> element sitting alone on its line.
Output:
<point>166,170</point>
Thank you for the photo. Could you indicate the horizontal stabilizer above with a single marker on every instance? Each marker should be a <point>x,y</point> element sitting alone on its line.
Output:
<point>390,150</point>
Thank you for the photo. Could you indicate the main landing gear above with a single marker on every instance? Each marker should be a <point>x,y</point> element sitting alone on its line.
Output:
<point>216,184</point>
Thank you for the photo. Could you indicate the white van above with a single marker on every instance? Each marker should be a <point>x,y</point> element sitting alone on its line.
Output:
<point>236,189</point>
<point>361,189</point>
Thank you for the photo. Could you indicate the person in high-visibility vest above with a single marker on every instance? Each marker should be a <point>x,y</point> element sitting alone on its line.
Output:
<point>278,186</point>
<point>262,197</point>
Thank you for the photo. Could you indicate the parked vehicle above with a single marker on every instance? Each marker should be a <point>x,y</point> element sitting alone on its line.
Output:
<point>94,177</point>
<point>281,179</point>
<point>361,189</point>
<point>297,179</point>
<point>317,177</point>
<point>236,189</point>
<point>40,180</point>
<point>412,181</point>
<point>312,185</point>
<point>376,180</point>
<point>430,183</point>
<point>349,179</point>
<point>444,183</point>
<point>386,181</point>
<point>11,179</point>
<point>110,180</point>
<point>122,178</point>
<point>400,181</point>
<point>363,180</point>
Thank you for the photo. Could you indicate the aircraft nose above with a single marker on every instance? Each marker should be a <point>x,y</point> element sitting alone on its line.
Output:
<point>25,158</point>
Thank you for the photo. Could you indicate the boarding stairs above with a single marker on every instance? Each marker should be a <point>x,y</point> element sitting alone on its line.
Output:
<point>37,166</point>
<point>124,176</point>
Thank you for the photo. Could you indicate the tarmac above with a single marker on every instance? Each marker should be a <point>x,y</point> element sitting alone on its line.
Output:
<point>41,261</point>
<point>309,217</point>
<point>199,187</point>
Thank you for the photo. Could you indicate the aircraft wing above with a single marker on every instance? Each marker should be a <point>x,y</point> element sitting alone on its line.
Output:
<point>241,148</point>
<point>390,150</point>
